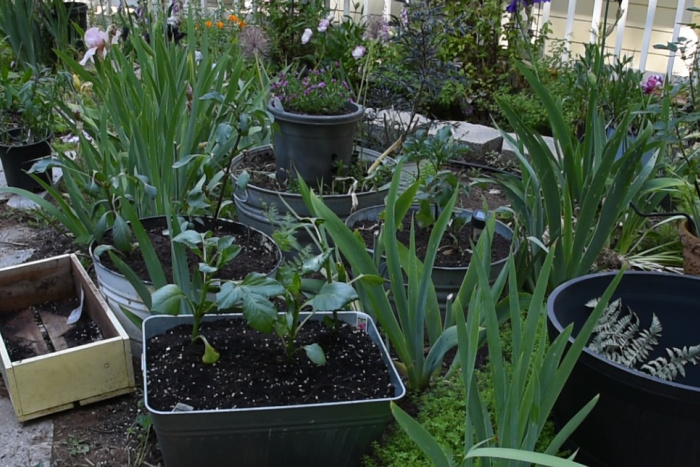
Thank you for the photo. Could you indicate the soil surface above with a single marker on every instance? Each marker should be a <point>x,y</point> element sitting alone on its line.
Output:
<point>454,249</point>
<point>41,319</point>
<point>254,372</point>
<point>257,253</point>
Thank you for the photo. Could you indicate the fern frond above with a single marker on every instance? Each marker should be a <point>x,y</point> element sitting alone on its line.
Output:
<point>637,350</point>
<point>669,369</point>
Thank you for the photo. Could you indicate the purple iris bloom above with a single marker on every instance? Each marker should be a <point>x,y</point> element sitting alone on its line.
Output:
<point>516,5</point>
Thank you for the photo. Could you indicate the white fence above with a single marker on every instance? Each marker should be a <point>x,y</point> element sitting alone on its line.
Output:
<point>641,25</point>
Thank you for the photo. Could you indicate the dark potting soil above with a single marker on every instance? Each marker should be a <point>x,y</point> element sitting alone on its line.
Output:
<point>262,169</point>
<point>253,371</point>
<point>450,253</point>
<point>26,332</point>
<point>257,255</point>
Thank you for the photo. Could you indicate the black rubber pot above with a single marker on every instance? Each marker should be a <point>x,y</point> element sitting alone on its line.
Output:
<point>639,420</point>
<point>18,158</point>
<point>313,146</point>
<point>253,202</point>
<point>447,280</point>
<point>73,14</point>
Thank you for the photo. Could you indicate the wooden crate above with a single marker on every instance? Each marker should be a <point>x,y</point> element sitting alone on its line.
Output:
<point>73,376</point>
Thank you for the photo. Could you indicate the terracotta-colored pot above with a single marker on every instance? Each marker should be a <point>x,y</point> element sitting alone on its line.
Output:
<point>691,249</point>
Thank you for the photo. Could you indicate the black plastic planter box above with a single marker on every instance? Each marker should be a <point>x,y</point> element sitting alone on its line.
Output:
<point>329,434</point>
<point>639,420</point>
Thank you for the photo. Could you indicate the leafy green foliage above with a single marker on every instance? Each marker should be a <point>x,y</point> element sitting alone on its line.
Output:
<point>284,22</point>
<point>572,197</point>
<point>415,308</point>
<point>476,45</point>
<point>174,152</point>
<point>525,395</point>
<point>413,72</point>
<point>27,101</point>
<point>21,24</point>
<point>431,154</point>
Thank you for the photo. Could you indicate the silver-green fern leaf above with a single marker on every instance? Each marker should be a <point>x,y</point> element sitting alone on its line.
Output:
<point>639,348</point>
<point>668,369</point>
<point>617,337</point>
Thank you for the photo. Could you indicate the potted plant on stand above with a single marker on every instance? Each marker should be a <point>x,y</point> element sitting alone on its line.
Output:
<point>26,116</point>
<point>315,115</point>
<point>282,403</point>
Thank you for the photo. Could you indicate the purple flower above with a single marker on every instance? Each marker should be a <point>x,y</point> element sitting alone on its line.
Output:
<point>404,16</point>
<point>377,29</point>
<point>325,22</point>
<point>359,52</point>
<point>652,84</point>
<point>516,5</point>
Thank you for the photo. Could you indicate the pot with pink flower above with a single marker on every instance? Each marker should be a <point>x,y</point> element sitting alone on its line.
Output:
<point>315,114</point>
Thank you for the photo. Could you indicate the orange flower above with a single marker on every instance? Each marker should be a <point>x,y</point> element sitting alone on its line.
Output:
<point>241,24</point>
<point>220,25</point>
<point>233,18</point>
<point>208,24</point>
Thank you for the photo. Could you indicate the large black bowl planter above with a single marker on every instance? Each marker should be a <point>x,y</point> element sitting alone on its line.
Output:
<point>639,420</point>
<point>312,146</point>
<point>313,435</point>
<point>447,280</point>
<point>253,202</point>
<point>120,294</point>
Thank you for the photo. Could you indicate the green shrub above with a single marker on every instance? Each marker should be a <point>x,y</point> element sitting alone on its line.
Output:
<point>530,110</point>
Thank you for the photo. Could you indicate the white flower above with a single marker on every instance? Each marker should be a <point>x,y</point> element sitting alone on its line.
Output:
<point>96,41</point>
<point>306,37</point>
<point>358,52</point>
<point>197,56</point>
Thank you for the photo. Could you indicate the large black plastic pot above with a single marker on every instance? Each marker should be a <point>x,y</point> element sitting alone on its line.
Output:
<point>66,16</point>
<point>121,295</point>
<point>639,420</point>
<point>254,202</point>
<point>447,280</point>
<point>18,158</point>
<point>312,435</point>
<point>313,146</point>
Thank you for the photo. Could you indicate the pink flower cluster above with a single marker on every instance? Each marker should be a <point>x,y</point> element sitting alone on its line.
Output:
<point>652,83</point>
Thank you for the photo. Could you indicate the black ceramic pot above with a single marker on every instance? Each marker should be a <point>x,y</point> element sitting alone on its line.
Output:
<point>639,420</point>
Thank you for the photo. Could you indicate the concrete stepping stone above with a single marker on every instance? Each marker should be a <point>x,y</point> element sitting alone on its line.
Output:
<point>27,444</point>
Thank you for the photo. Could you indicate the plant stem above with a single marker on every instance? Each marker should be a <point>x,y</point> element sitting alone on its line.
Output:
<point>227,173</point>
<point>289,347</point>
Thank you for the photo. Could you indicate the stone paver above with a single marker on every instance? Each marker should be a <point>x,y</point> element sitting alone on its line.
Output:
<point>23,445</point>
<point>28,444</point>
<point>481,139</point>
